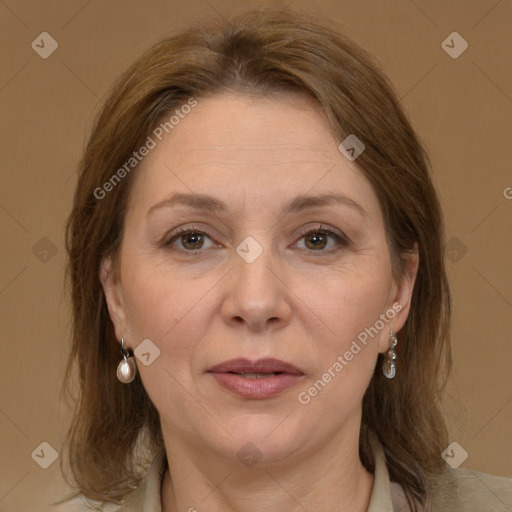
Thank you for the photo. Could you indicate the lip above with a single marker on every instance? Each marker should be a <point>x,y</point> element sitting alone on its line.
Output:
<point>225,374</point>
<point>266,365</point>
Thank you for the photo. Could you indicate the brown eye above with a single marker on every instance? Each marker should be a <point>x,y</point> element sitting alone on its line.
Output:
<point>318,240</point>
<point>192,240</point>
<point>186,241</point>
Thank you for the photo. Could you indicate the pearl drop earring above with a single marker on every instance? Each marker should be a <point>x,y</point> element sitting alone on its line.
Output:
<point>127,368</point>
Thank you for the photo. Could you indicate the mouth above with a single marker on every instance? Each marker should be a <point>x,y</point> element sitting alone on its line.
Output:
<point>267,366</point>
<point>256,379</point>
<point>256,375</point>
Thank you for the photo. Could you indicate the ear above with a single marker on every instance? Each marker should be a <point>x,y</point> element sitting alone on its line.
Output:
<point>112,288</point>
<point>401,303</point>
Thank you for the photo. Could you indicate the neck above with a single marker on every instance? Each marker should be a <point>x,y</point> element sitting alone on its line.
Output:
<point>331,478</point>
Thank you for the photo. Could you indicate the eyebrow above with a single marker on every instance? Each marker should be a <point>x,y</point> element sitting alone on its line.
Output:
<point>209,203</point>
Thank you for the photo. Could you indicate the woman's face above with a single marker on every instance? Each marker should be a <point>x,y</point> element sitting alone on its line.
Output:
<point>254,281</point>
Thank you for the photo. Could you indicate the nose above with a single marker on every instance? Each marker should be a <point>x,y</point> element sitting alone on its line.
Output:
<point>257,294</point>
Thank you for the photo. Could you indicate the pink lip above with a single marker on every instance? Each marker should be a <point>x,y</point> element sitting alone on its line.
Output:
<point>226,375</point>
<point>266,365</point>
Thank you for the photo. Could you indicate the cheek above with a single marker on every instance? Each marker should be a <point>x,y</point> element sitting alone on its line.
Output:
<point>344,359</point>
<point>160,311</point>
<point>353,299</point>
<point>350,308</point>
<point>157,299</point>
<point>150,308</point>
<point>170,311</point>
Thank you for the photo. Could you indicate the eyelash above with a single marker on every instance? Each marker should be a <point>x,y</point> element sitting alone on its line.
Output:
<point>341,239</point>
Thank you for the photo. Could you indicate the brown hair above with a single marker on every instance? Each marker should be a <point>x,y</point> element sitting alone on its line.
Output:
<point>259,52</point>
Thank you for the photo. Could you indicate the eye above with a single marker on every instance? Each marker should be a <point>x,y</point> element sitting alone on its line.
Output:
<point>190,240</point>
<point>317,239</point>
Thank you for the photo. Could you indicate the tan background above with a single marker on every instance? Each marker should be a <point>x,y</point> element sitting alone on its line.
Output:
<point>461,107</point>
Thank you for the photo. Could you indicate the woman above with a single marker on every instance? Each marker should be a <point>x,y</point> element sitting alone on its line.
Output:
<point>257,246</point>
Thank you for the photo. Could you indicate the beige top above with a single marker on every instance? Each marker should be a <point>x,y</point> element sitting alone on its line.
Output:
<point>459,489</point>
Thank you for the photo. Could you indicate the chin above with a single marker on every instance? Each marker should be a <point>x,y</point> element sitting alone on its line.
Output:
<point>269,437</point>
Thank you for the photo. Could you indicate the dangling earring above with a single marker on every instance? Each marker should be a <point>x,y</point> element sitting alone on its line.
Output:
<point>389,367</point>
<point>127,368</point>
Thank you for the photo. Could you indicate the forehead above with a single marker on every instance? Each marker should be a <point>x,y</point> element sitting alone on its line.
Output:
<point>274,130</point>
<point>276,146</point>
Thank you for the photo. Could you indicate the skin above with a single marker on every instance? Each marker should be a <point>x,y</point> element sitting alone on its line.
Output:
<point>295,302</point>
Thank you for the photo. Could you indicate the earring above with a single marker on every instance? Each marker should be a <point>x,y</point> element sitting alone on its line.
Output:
<point>389,367</point>
<point>127,368</point>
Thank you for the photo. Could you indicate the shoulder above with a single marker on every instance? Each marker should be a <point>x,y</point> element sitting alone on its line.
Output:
<point>78,503</point>
<point>470,490</point>
<point>145,497</point>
